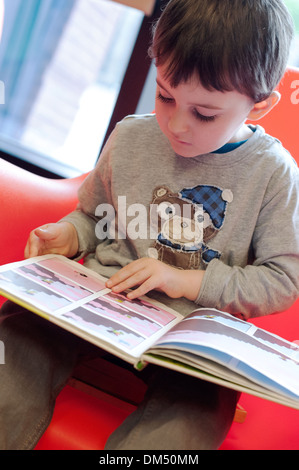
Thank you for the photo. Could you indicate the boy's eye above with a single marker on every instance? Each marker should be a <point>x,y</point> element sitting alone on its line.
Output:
<point>196,114</point>
<point>203,118</point>
<point>164,99</point>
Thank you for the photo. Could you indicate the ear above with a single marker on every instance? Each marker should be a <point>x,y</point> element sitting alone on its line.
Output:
<point>260,110</point>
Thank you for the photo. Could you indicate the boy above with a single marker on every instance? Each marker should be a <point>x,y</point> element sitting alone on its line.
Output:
<point>218,63</point>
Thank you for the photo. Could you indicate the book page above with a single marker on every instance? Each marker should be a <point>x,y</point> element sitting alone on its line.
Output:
<point>76,298</point>
<point>236,344</point>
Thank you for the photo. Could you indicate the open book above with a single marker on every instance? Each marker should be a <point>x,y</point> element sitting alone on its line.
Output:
<point>208,344</point>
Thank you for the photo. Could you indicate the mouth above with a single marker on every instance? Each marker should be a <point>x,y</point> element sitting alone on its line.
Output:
<point>179,141</point>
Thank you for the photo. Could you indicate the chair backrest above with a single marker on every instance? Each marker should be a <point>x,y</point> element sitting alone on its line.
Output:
<point>282,122</point>
<point>27,201</point>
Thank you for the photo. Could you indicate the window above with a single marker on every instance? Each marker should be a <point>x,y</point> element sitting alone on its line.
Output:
<point>293,6</point>
<point>62,63</point>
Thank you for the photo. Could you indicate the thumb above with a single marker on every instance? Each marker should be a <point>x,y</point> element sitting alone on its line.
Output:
<point>46,232</point>
<point>39,239</point>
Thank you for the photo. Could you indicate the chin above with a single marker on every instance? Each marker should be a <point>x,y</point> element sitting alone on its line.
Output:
<point>186,153</point>
<point>184,150</point>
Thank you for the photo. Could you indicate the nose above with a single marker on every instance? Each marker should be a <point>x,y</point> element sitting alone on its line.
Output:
<point>177,123</point>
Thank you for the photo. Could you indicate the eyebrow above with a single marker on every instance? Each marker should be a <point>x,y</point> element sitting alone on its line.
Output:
<point>206,106</point>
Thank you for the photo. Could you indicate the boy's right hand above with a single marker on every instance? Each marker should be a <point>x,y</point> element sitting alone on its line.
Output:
<point>60,238</point>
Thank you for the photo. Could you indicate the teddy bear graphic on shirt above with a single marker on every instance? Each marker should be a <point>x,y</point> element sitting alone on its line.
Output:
<point>185,223</point>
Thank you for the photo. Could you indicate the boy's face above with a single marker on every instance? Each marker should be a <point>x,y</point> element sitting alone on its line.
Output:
<point>198,121</point>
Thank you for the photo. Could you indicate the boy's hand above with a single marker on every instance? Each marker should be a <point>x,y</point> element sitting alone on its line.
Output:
<point>150,274</point>
<point>60,238</point>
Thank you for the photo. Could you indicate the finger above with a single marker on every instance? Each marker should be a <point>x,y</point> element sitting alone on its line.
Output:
<point>131,281</point>
<point>143,289</point>
<point>123,274</point>
<point>47,232</point>
<point>38,241</point>
<point>32,247</point>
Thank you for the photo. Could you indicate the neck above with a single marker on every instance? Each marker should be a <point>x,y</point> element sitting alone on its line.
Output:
<point>244,133</point>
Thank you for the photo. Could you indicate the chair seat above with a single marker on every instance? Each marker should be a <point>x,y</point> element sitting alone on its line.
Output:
<point>82,421</point>
<point>268,426</point>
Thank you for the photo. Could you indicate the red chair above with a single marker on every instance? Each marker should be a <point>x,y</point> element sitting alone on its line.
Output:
<point>84,417</point>
<point>27,201</point>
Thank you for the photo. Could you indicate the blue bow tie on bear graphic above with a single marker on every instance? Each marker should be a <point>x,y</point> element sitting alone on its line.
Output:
<point>207,254</point>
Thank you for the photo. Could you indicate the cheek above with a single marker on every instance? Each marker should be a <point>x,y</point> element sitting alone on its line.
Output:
<point>217,133</point>
<point>159,108</point>
<point>161,116</point>
<point>210,137</point>
<point>207,133</point>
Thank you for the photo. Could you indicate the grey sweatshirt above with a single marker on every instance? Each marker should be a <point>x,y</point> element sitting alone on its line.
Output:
<point>242,208</point>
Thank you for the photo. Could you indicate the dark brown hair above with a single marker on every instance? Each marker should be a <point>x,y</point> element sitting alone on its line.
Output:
<point>238,45</point>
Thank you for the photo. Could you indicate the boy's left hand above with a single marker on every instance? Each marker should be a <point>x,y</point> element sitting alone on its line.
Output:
<point>149,274</point>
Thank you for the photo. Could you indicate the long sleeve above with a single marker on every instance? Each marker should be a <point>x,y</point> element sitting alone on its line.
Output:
<point>271,282</point>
